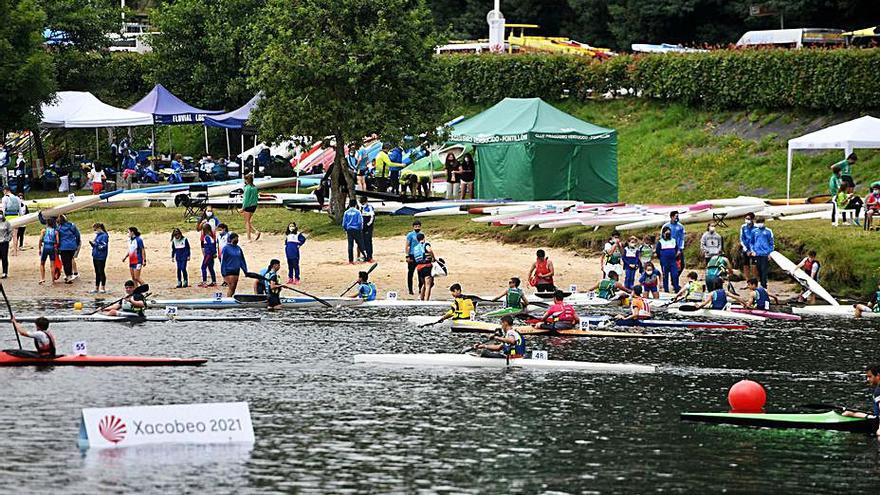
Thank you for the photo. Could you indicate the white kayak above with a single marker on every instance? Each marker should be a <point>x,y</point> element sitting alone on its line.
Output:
<point>404,303</point>
<point>251,301</point>
<point>99,318</point>
<point>717,313</point>
<point>55,211</point>
<point>832,311</point>
<point>802,278</point>
<point>472,361</point>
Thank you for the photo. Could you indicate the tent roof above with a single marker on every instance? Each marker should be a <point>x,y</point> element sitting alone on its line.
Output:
<point>79,109</point>
<point>518,119</point>
<point>236,118</point>
<point>160,101</point>
<point>863,132</point>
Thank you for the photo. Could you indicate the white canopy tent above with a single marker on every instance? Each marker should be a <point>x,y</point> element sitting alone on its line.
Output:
<point>863,132</point>
<point>82,110</point>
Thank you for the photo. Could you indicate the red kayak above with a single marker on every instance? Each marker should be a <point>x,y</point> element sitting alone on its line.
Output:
<point>7,359</point>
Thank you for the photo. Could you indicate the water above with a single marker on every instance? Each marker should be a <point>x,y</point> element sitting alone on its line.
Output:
<point>326,425</point>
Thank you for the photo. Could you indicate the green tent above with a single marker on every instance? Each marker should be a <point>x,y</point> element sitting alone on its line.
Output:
<point>528,150</point>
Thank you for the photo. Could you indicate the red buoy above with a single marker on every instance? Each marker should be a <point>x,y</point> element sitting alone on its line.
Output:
<point>746,396</point>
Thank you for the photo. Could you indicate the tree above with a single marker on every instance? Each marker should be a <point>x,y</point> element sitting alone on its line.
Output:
<point>25,67</point>
<point>201,52</point>
<point>347,68</point>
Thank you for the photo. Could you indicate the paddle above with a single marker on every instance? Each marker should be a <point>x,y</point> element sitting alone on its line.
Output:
<point>137,290</point>
<point>485,341</point>
<point>539,304</point>
<point>688,307</point>
<point>352,285</point>
<point>257,276</point>
<point>11,316</point>
<point>825,407</point>
<point>431,324</point>
<point>731,289</point>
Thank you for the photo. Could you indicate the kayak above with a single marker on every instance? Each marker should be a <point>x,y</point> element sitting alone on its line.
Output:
<point>134,319</point>
<point>7,359</point>
<point>839,311</point>
<point>251,301</point>
<point>473,361</point>
<point>816,421</point>
<point>679,324</point>
<point>504,312</point>
<point>802,278</point>
<point>404,303</point>
<point>467,326</point>
<point>718,313</point>
<point>773,315</point>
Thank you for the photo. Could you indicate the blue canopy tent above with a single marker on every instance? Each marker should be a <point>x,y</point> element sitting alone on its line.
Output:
<point>235,119</point>
<point>168,109</point>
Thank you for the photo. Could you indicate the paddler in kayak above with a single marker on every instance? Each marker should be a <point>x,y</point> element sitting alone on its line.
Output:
<point>872,375</point>
<point>873,305</point>
<point>366,289</point>
<point>541,273</point>
<point>758,298</point>
<point>44,341</point>
<point>639,307</point>
<point>559,316</point>
<point>514,297</point>
<point>692,291</point>
<point>270,284</point>
<point>132,305</point>
<point>610,288</point>
<point>510,343</point>
<point>462,306</point>
<point>717,299</point>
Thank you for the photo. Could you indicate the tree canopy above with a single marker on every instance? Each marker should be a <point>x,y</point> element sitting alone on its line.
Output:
<point>347,68</point>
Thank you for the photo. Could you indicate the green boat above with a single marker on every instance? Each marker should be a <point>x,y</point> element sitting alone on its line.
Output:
<point>498,313</point>
<point>830,420</point>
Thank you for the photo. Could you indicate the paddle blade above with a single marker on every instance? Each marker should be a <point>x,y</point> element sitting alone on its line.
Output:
<point>687,307</point>
<point>253,275</point>
<point>142,289</point>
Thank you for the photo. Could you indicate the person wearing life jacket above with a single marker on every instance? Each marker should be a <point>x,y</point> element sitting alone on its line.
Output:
<point>610,288</point>
<point>639,307</point>
<point>872,375</point>
<point>559,316</point>
<point>667,251</point>
<point>48,247</point>
<point>133,304</point>
<point>612,255</point>
<point>718,268</point>
<point>692,291</point>
<point>44,341</point>
<point>716,299</point>
<point>462,308</point>
<point>270,284</point>
<point>11,203</point>
<point>510,343</point>
<point>541,273</point>
<point>873,305</point>
<point>514,297</point>
<point>630,261</point>
<point>650,281</point>
<point>423,255</point>
<point>810,265</point>
<point>758,298</point>
<point>366,289</point>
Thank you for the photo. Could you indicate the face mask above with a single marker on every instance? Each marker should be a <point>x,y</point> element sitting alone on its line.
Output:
<point>759,225</point>
<point>209,214</point>
<point>712,229</point>
<point>667,236</point>
<point>632,244</point>
<point>649,271</point>
<point>748,221</point>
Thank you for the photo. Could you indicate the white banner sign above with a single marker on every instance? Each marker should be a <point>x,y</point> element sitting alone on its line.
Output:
<point>228,422</point>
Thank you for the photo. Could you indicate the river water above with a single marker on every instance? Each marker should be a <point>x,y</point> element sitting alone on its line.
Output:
<point>325,425</point>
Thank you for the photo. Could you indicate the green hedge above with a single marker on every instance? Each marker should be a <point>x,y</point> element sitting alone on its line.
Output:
<point>842,79</point>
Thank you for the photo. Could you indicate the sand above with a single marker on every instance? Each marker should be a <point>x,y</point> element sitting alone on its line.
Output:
<point>481,267</point>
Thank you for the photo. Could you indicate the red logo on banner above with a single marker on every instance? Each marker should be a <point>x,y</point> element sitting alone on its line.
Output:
<point>112,428</point>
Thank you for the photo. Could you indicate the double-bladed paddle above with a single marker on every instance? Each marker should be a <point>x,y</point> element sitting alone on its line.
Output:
<point>141,289</point>
<point>11,316</point>
<point>352,285</point>
<point>257,276</point>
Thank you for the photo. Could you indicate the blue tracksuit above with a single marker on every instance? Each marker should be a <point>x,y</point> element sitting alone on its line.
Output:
<point>762,245</point>
<point>292,244</point>
<point>667,250</point>
<point>181,252</point>
<point>630,265</point>
<point>233,261</point>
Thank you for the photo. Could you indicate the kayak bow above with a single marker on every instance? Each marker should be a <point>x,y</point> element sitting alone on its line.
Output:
<point>816,421</point>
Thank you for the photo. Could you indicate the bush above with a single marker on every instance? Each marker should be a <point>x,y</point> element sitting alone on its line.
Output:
<point>840,79</point>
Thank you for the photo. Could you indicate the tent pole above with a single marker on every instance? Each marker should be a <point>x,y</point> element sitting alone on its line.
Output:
<point>206,139</point>
<point>228,150</point>
<point>97,145</point>
<point>153,140</point>
<point>256,168</point>
<point>170,143</point>
<point>788,179</point>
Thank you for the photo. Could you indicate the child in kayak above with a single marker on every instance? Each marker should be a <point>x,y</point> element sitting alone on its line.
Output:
<point>610,288</point>
<point>872,375</point>
<point>270,284</point>
<point>133,304</point>
<point>462,307</point>
<point>559,316</point>
<point>873,305</point>
<point>511,343</point>
<point>366,289</point>
<point>639,307</point>
<point>180,253</point>
<point>514,297</point>
<point>650,281</point>
<point>692,291</point>
<point>810,265</point>
<point>44,341</point>
<point>758,298</point>
<point>718,299</point>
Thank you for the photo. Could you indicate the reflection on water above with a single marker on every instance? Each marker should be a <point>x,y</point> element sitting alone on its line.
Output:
<point>325,425</point>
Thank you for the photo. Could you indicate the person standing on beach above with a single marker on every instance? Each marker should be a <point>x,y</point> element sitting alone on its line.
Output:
<point>137,255</point>
<point>678,233</point>
<point>68,243</point>
<point>100,249</point>
<point>232,264</point>
<point>180,254</point>
<point>48,248</point>
<point>762,245</point>
<point>249,206</point>
<point>6,236</point>
<point>452,187</point>
<point>541,273</point>
<point>353,224</point>
<point>711,243</point>
<point>209,252</point>
<point>411,240</point>
<point>293,241</point>
<point>369,215</point>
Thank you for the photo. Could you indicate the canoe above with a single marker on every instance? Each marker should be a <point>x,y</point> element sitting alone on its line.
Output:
<point>772,315</point>
<point>802,278</point>
<point>251,301</point>
<point>132,319</point>
<point>832,311</point>
<point>472,361</point>
<point>467,326</point>
<point>718,313</point>
<point>7,359</point>
<point>815,421</point>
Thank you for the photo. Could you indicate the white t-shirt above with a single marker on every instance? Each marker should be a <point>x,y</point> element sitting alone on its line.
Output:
<point>97,177</point>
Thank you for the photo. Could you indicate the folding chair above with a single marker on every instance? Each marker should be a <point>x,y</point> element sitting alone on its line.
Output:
<point>195,203</point>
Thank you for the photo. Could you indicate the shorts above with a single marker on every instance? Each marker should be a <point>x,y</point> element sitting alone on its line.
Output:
<point>847,180</point>
<point>545,287</point>
<point>362,173</point>
<point>651,289</point>
<point>47,254</point>
<point>273,300</point>
<point>749,260</point>
<point>250,209</point>
<point>136,266</point>
<point>425,270</point>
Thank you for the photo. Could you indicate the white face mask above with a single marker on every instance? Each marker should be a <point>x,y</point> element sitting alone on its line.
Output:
<point>712,229</point>
<point>209,214</point>
<point>759,225</point>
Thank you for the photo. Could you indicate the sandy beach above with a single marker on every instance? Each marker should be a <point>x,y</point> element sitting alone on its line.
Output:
<point>482,267</point>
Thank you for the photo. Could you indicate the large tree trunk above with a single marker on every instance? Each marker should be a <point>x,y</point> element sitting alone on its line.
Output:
<point>342,182</point>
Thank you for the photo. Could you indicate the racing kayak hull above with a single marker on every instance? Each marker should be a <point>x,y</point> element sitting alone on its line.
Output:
<point>718,313</point>
<point>815,421</point>
<point>251,301</point>
<point>472,361</point>
<point>829,311</point>
<point>133,319</point>
<point>467,326</point>
<point>680,324</point>
<point>772,315</point>
<point>7,359</point>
